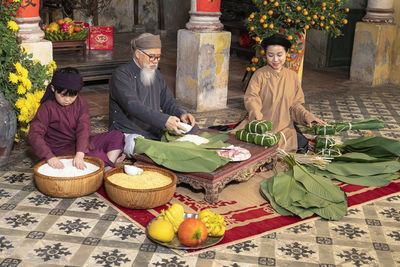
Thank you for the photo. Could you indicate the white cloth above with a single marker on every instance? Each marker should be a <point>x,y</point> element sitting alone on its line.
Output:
<point>130,144</point>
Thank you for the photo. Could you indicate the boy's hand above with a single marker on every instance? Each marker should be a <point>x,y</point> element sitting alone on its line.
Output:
<point>55,163</point>
<point>78,161</point>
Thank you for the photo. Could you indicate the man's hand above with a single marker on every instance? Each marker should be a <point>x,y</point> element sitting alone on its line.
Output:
<point>78,161</point>
<point>172,125</point>
<point>188,118</point>
<point>55,163</point>
<point>317,121</point>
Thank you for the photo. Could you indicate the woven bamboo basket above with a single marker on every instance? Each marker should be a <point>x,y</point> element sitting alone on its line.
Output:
<point>140,198</point>
<point>67,187</point>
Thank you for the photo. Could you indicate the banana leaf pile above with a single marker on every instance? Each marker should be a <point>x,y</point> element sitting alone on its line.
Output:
<point>307,190</point>
<point>181,156</point>
<point>302,193</point>
<point>336,127</point>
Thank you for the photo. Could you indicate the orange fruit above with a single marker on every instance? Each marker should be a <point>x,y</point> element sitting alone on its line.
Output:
<point>315,16</point>
<point>312,22</point>
<point>308,18</point>
<point>307,27</point>
<point>262,52</point>
<point>249,19</point>
<point>77,29</point>
<point>252,15</point>
<point>270,12</point>
<point>322,18</point>
<point>248,69</point>
<point>253,68</point>
<point>265,2</point>
<point>288,20</point>
<point>298,8</point>
<point>251,28</point>
<point>326,27</point>
<point>257,39</point>
<point>323,4</point>
<point>305,13</point>
<point>262,20</point>
<point>324,8</point>
<point>290,38</point>
<point>265,25</point>
<point>276,4</point>
<point>264,17</point>
<point>60,22</point>
<point>347,9</point>
<point>255,59</point>
<point>345,21</point>
<point>321,24</point>
<point>297,21</point>
<point>331,22</point>
<point>271,26</point>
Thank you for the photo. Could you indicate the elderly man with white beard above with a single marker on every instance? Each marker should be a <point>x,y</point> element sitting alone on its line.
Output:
<point>141,104</point>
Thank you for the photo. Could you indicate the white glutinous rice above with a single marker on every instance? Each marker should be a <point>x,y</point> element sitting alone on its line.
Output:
<point>198,140</point>
<point>68,170</point>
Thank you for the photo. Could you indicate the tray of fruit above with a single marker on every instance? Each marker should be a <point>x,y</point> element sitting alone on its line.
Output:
<point>65,29</point>
<point>180,230</point>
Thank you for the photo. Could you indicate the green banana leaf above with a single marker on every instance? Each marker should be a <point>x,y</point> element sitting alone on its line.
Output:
<point>266,189</point>
<point>299,192</point>
<point>374,180</point>
<point>287,190</point>
<point>180,156</point>
<point>363,169</point>
<point>214,140</point>
<point>375,146</point>
<point>318,185</point>
<point>359,157</point>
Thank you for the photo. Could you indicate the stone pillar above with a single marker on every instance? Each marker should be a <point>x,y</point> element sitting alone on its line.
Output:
<point>202,69</point>
<point>373,44</point>
<point>379,11</point>
<point>30,35</point>
<point>203,59</point>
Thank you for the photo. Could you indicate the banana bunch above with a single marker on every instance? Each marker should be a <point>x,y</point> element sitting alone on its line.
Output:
<point>215,223</point>
<point>174,214</point>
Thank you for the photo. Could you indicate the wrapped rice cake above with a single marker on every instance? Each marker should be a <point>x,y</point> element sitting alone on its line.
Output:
<point>145,180</point>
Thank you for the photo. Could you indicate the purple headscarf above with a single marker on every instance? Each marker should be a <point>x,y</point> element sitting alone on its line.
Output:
<point>69,81</point>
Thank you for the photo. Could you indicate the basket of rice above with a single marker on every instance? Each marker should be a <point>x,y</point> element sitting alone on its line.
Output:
<point>69,181</point>
<point>151,188</point>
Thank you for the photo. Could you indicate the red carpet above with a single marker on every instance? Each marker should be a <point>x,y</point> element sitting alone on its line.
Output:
<point>246,213</point>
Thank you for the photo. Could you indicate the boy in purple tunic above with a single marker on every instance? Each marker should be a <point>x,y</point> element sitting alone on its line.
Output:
<point>61,126</point>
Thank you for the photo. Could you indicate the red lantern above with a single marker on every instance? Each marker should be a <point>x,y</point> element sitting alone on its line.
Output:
<point>208,5</point>
<point>29,8</point>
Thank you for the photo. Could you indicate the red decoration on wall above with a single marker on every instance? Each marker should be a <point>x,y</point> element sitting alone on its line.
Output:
<point>208,5</point>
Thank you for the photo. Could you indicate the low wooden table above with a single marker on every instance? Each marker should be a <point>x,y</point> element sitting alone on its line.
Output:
<point>215,181</point>
<point>70,45</point>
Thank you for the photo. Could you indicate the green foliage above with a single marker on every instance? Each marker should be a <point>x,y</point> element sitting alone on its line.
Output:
<point>292,18</point>
<point>22,80</point>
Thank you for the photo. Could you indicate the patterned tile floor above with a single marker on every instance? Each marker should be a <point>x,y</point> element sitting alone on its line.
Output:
<point>36,230</point>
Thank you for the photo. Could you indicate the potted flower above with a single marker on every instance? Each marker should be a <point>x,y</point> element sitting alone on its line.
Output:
<point>22,79</point>
<point>293,18</point>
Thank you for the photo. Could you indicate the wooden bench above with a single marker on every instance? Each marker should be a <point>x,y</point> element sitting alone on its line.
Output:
<point>215,181</point>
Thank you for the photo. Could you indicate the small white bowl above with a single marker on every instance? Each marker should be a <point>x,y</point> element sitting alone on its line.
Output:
<point>188,127</point>
<point>132,170</point>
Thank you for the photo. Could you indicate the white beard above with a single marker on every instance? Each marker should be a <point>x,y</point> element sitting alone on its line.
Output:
<point>147,76</point>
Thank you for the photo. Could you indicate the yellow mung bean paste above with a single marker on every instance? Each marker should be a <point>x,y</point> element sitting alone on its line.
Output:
<point>146,180</point>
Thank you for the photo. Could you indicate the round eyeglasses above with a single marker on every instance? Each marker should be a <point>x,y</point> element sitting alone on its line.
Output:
<point>152,57</point>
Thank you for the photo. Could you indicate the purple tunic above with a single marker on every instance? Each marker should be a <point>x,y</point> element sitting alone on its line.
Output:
<point>60,131</point>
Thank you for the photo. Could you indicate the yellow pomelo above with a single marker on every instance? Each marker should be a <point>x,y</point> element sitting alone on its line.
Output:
<point>161,230</point>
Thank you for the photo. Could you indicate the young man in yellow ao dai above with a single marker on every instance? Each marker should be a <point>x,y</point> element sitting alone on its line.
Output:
<point>274,94</point>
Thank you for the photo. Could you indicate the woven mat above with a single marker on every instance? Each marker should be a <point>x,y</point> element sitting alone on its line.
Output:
<point>246,212</point>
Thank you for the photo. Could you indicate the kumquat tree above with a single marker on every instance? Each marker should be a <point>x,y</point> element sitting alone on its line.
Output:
<point>292,18</point>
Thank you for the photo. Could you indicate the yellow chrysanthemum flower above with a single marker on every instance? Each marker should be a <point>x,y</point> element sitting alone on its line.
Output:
<point>27,83</point>
<point>18,67</point>
<point>25,129</point>
<point>38,95</point>
<point>36,61</point>
<point>12,25</point>
<point>53,65</point>
<point>16,1</point>
<point>23,50</point>
<point>23,72</point>
<point>13,78</point>
<point>50,71</point>
<point>21,89</point>
<point>20,103</point>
